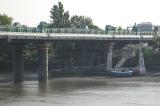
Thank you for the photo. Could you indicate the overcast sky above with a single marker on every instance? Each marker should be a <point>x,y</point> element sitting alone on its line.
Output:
<point>114,12</point>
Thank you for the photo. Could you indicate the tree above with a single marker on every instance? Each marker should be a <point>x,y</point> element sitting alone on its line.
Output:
<point>5,19</point>
<point>82,22</point>
<point>119,29</point>
<point>90,24</point>
<point>60,19</point>
<point>147,51</point>
<point>66,20</point>
<point>77,21</point>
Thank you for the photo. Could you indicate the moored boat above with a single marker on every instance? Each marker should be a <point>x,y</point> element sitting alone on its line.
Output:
<point>122,73</point>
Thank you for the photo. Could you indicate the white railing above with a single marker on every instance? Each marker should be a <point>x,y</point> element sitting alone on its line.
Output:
<point>24,29</point>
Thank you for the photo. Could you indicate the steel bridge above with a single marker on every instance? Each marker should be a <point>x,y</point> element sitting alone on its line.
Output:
<point>48,34</point>
<point>16,36</point>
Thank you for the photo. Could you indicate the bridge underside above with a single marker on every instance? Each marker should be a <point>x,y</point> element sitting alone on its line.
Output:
<point>80,53</point>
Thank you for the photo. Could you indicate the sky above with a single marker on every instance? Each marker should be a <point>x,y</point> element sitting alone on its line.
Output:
<point>103,12</point>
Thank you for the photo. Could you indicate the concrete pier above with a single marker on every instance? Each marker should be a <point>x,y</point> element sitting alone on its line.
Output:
<point>142,68</point>
<point>108,56</point>
<point>71,60</point>
<point>18,62</point>
<point>43,62</point>
<point>84,55</point>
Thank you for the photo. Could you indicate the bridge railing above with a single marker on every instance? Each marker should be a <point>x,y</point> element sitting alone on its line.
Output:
<point>73,30</point>
<point>130,33</point>
<point>24,29</point>
<point>49,30</point>
<point>18,29</point>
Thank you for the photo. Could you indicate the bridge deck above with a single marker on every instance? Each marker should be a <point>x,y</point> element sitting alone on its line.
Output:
<point>32,33</point>
<point>71,36</point>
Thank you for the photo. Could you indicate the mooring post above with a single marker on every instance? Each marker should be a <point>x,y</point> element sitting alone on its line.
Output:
<point>18,62</point>
<point>43,62</point>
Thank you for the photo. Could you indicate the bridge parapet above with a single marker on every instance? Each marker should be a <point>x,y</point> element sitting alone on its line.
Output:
<point>24,29</point>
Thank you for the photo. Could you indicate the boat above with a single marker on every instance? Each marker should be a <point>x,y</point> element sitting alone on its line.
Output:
<point>122,73</point>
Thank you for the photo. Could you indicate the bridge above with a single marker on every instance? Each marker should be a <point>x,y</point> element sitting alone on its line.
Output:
<point>48,34</point>
<point>18,36</point>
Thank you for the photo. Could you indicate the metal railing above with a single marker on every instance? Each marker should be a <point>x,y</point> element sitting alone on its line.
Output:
<point>49,30</point>
<point>24,29</point>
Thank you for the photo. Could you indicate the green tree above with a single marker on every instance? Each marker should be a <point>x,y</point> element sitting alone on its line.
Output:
<point>66,20</point>
<point>76,21</point>
<point>5,19</point>
<point>60,19</point>
<point>147,51</point>
<point>119,29</point>
<point>82,22</point>
<point>90,24</point>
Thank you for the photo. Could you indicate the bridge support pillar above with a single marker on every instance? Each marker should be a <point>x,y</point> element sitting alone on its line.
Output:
<point>108,61</point>
<point>84,62</point>
<point>18,62</point>
<point>43,62</point>
<point>142,68</point>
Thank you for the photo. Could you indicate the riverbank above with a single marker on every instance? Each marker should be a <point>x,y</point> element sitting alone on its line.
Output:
<point>34,77</point>
<point>111,79</point>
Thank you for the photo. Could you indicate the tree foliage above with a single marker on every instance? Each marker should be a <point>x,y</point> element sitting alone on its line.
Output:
<point>119,29</point>
<point>5,19</point>
<point>147,52</point>
<point>82,22</point>
<point>60,18</point>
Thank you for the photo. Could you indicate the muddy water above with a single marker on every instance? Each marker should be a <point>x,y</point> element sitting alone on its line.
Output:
<point>80,92</point>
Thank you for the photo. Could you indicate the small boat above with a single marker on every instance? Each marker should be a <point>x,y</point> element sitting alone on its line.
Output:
<point>122,73</point>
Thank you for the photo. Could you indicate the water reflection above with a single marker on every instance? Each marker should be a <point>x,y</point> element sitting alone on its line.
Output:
<point>17,90</point>
<point>81,92</point>
<point>71,85</point>
<point>43,88</point>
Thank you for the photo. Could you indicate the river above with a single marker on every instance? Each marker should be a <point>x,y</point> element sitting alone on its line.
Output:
<point>80,91</point>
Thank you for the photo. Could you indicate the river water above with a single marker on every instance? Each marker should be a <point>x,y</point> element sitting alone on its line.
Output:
<point>79,91</point>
